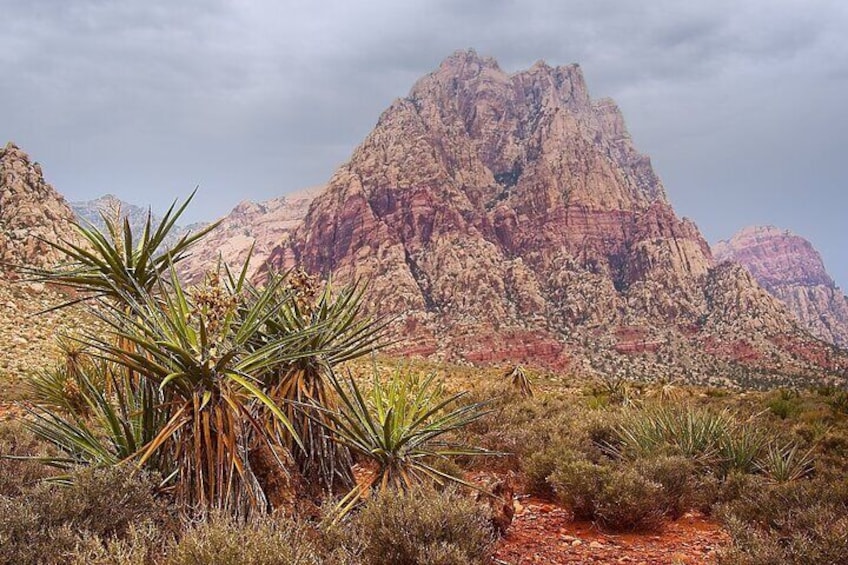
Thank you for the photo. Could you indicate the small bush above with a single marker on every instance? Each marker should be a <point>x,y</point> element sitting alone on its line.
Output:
<point>144,544</point>
<point>19,474</point>
<point>577,484</point>
<point>224,541</point>
<point>630,502</point>
<point>676,475</point>
<point>44,524</point>
<point>539,467</point>
<point>793,523</point>
<point>422,527</point>
<point>784,404</point>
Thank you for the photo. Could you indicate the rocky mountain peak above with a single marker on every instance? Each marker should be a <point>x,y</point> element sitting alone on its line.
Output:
<point>510,217</point>
<point>31,211</point>
<point>792,270</point>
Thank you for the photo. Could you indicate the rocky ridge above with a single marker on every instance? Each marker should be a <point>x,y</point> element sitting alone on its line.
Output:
<point>31,211</point>
<point>260,225</point>
<point>790,268</point>
<point>509,217</point>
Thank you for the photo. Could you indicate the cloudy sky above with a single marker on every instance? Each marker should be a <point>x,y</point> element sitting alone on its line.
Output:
<point>742,104</point>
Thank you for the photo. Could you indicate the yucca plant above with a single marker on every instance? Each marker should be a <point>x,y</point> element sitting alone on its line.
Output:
<point>400,427</point>
<point>520,381</point>
<point>663,430</point>
<point>113,264</point>
<point>193,348</point>
<point>741,448</point>
<point>331,325</point>
<point>109,427</point>
<point>785,463</point>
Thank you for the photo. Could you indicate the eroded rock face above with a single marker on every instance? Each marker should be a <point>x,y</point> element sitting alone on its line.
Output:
<point>504,216</point>
<point>30,212</point>
<point>262,225</point>
<point>791,269</point>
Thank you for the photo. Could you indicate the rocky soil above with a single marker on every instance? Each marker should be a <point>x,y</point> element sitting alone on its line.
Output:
<point>545,533</point>
<point>790,268</point>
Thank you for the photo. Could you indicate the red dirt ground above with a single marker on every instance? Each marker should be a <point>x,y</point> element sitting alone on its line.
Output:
<point>543,532</point>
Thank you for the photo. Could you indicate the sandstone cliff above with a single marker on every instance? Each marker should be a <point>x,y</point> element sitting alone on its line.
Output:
<point>262,225</point>
<point>31,211</point>
<point>509,217</point>
<point>791,269</point>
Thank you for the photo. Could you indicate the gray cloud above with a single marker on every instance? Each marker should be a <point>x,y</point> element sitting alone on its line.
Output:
<point>739,103</point>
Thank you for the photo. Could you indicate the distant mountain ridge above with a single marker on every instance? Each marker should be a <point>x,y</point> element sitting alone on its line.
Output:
<point>91,212</point>
<point>259,226</point>
<point>790,268</point>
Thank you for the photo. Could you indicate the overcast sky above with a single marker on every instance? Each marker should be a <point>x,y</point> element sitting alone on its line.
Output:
<point>742,104</point>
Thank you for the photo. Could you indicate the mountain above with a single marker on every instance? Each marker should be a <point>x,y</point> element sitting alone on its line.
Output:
<point>509,217</point>
<point>90,212</point>
<point>262,225</point>
<point>31,211</point>
<point>790,268</point>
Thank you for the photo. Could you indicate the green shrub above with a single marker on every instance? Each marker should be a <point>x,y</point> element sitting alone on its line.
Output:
<point>677,476</point>
<point>794,523</point>
<point>422,527</point>
<point>630,502</point>
<point>224,541</point>
<point>46,522</point>
<point>539,467</point>
<point>577,484</point>
<point>784,404</point>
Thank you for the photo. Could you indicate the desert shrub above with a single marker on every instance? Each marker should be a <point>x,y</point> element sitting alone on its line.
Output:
<point>422,527</point>
<point>518,426</point>
<point>44,524</point>
<point>794,523</point>
<point>784,403</point>
<point>225,541</point>
<point>143,544</point>
<point>630,502</point>
<point>577,483</point>
<point>18,474</point>
<point>676,475</point>
<point>538,467</point>
<point>736,485</point>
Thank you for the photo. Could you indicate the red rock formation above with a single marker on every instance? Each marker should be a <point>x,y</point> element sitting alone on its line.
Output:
<point>485,206</point>
<point>791,269</point>
<point>260,225</point>
<point>31,211</point>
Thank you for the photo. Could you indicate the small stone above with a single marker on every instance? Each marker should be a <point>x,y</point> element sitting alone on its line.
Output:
<point>576,543</point>
<point>596,545</point>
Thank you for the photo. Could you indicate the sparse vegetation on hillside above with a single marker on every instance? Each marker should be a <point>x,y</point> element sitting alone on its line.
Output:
<point>213,423</point>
